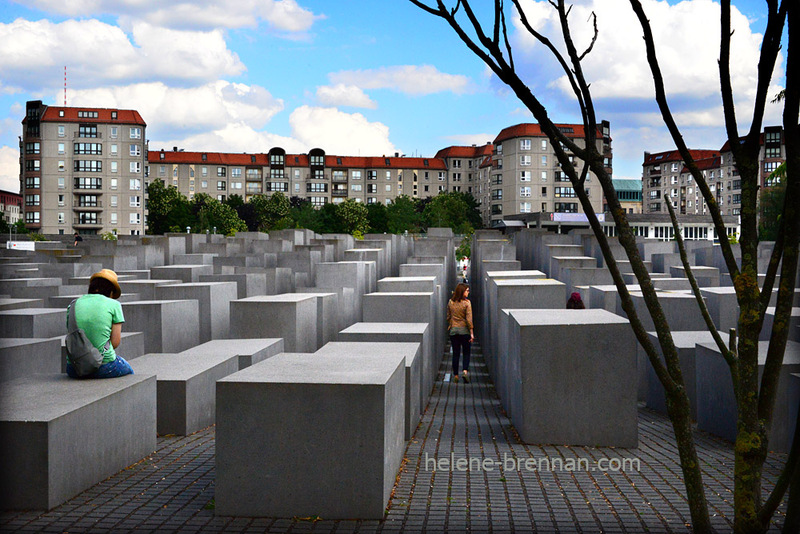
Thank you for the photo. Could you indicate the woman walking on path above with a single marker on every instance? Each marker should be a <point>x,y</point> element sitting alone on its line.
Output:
<point>459,325</point>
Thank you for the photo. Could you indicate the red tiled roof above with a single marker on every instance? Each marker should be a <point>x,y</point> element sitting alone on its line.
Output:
<point>534,130</point>
<point>727,146</point>
<point>296,160</point>
<point>466,151</point>
<point>124,116</point>
<point>705,164</point>
<point>674,155</point>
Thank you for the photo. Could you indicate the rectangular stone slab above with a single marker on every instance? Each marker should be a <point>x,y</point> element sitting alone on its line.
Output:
<point>186,387</point>
<point>307,434</point>
<point>43,417</point>
<point>27,356</point>
<point>249,351</point>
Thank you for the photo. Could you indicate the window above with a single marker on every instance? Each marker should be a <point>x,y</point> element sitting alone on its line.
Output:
<point>113,184</point>
<point>317,160</point>
<point>236,185</point>
<point>389,176</point>
<point>456,176</point>
<point>87,130</point>
<point>316,188</point>
<point>204,184</point>
<point>221,171</point>
<point>355,175</point>
<point>236,173</point>
<point>31,217</point>
<point>61,182</point>
<point>525,160</point>
<point>372,175</point>
<point>32,200</point>
<point>524,191</point>
<point>61,217</point>
<point>113,201</point>
<point>136,133</point>
<point>33,165</point>
<point>544,191</point>
<point>497,194</point>
<point>88,148</point>
<point>544,144</point>
<point>221,185</point>
<point>317,201</point>
<point>772,152</point>
<point>544,160</point>
<point>61,165</point>
<point>136,167</point>
<point>355,187</point>
<point>456,163</point>
<point>564,192</point>
<point>135,218</point>
<point>276,159</point>
<point>135,201</point>
<point>35,148</point>
<point>135,184</point>
<point>60,200</point>
<point>544,176</point>
<point>87,166</point>
<point>566,207</point>
<point>524,207</point>
<point>135,150</point>
<point>87,114</point>
<point>441,176</point>
<point>61,148</point>
<point>737,198</point>
<point>524,144</point>
<point>388,188</point>
<point>674,167</point>
<point>497,209</point>
<point>61,131</point>
<point>372,188</point>
<point>296,188</point>
<point>113,217</point>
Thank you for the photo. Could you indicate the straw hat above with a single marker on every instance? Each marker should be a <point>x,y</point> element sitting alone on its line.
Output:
<point>111,276</point>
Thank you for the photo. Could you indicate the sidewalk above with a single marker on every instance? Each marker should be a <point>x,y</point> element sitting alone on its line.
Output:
<point>173,489</point>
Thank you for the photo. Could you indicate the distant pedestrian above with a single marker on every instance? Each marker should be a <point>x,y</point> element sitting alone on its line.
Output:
<point>78,239</point>
<point>459,328</point>
<point>575,302</point>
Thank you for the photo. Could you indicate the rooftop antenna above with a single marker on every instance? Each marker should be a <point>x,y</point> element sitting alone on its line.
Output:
<point>65,86</point>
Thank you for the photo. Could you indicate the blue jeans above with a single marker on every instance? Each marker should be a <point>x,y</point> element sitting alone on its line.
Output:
<point>119,367</point>
<point>458,343</point>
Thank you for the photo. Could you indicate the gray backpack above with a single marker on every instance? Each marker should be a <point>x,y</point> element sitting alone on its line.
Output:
<point>84,357</point>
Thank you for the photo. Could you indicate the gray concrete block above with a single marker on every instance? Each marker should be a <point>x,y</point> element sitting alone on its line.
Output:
<point>185,273</point>
<point>412,352</point>
<point>606,297</point>
<point>16,304</point>
<point>248,351</point>
<point>21,357</point>
<point>552,366</point>
<point>33,322</point>
<point>247,284</point>
<point>289,316</point>
<point>302,435</point>
<point>186,387</point>
<point>672,284</point>
<point>194,259</point>
<point>557,263</point>
<point>716,404</point>
<point>43,417</point>
<point>396,333</point>
<point>168,325</point>
<point>723,307</point>
<point>685,344</point>
<point>705,276</point>
<point>327,316</point>
<point>769,319</point>
<point>146,289</point>
<point>680,309</point>
<point>213,299</point>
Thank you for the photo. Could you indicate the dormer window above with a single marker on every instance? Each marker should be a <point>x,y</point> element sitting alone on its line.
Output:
<point>113,114</point>
<point>252,159</point>
<point>204,157</point>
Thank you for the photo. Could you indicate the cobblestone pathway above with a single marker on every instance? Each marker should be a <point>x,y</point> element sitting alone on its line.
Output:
<point>173,489</point>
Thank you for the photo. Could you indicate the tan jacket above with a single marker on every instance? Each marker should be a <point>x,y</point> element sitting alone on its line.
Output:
<point>459,314</point>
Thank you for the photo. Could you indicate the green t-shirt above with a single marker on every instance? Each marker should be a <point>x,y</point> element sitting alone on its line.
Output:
<point>95,314</point>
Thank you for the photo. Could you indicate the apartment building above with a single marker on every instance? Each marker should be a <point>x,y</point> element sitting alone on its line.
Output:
<point>526,177</point>
<point>82,169</point>
<point>666,178</point>
<point>629,194</point>
<point>316,176</point>
<point>10,206</point>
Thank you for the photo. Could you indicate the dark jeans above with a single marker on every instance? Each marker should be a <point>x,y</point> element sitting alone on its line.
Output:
<point>460,342</point>
<point>119,367</point>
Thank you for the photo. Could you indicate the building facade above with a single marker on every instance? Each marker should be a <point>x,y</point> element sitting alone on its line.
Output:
<point>666,178</point>
<point>629,194</point>
<point>10,206</point>
<point>82,169</point>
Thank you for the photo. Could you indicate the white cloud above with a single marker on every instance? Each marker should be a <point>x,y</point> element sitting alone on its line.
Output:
<point>479,139</point>
<point>340,133</point>
<point>344,95</point>
<point>282,15</point>
<point>687,42</point>
<point>169,110</point>
<point>408,79</point>
<point>9,169</point>
<point>236,137</point>
<point>33,54</point>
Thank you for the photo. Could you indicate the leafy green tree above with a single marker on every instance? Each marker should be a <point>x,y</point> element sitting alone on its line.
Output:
<point>4,228</point>
<point>353,216</point>
<point>234,201</point>
<point>19,227</point>
<point>303,215</point>
<point>770,201</point>
<point>402,215</point>
<point>329,221</point>
<point>214,214</point>
<point>378,218</point>
<point>448,210</point>
<point>271,211</point>
<point>167,209</point>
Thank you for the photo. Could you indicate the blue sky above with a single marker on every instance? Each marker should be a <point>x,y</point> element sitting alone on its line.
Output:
<point>355,76</point>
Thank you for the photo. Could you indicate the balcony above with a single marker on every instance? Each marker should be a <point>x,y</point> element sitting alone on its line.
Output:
<point>87,206</point>
<point>78,222</point>
<point>77,135</point>
<point>339,192</point>
<point>336,178</point>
